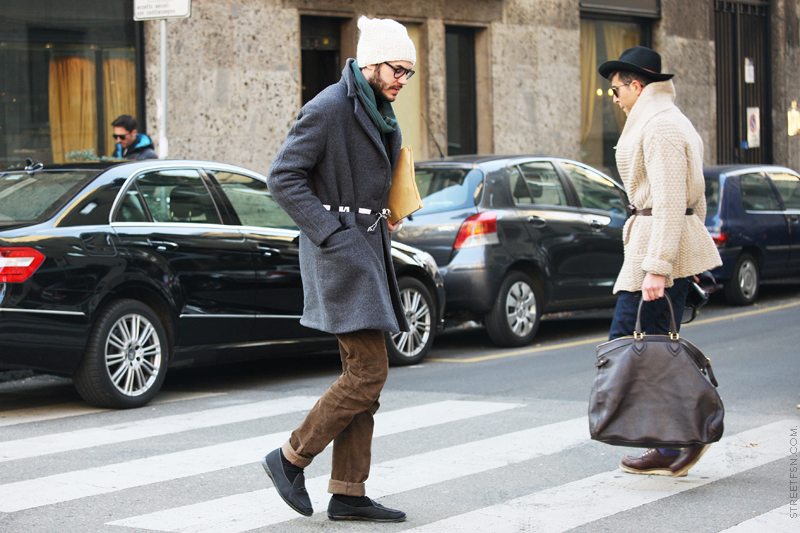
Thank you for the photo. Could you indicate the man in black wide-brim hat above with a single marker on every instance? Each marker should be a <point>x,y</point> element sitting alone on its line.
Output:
<point>660,160</point>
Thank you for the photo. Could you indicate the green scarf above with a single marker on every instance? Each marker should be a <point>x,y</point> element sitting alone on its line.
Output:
<point>383,117</point>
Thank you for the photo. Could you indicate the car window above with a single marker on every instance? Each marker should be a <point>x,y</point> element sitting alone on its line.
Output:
<point>252,201</point>
<point>757,193</point>
<point>537,184</point>
<point>34,197</point>
<point>93,208</point>
<point>177,196</point>
<point>445,189</point>
<point>596,191</point>
<point>712,195</point>
<point>789,188</point>
<point>132,208</point>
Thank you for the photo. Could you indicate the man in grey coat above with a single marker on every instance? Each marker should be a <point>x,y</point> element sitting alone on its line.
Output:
<point>332,176</point>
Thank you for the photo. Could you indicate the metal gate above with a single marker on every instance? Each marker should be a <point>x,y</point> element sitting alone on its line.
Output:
<point>743,74</point>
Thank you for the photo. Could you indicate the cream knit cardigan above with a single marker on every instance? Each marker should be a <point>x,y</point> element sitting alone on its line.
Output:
<point>660,160</point>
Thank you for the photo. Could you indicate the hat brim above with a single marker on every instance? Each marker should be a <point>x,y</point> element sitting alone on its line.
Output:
<point>608,67</point>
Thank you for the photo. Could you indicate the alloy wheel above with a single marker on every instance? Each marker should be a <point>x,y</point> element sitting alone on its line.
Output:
<point>133,355</point>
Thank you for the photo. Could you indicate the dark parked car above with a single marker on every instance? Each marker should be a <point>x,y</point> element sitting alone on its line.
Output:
<point>113,272</point>
<point>754,217</point>
<point>516,237</point>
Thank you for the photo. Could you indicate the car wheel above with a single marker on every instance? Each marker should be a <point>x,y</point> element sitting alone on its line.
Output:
<point>742,288</point>
<point>411,347</point>
<point>126,357</point>
<point>514,319</point>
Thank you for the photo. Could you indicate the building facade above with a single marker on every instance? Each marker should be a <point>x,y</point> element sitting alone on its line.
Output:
<point>493,76</point>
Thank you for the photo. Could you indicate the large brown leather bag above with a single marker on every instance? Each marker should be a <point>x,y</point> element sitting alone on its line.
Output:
<point>654,391</point>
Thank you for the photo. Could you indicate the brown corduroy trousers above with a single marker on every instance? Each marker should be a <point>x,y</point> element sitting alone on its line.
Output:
<point>344,414</point>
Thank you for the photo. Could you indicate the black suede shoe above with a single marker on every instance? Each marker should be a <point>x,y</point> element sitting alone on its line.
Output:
<point>374,512</point>
<point>294,494</point>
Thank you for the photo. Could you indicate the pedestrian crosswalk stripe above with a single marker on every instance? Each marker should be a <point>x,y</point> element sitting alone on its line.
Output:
<point>67,410</point>
<point>575,504</point>
<point>101,480</point>
<point>243,512</point>
<point>778,520</point>
<point>152,427</point>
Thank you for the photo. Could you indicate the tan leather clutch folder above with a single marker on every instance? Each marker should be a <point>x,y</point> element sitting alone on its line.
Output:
<point>403,195</point>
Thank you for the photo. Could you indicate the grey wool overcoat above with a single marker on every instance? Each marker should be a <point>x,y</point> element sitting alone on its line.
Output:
<point>334,156</point>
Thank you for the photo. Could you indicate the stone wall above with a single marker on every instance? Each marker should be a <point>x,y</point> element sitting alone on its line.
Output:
<point>234,72</point>
<point>684,38</point>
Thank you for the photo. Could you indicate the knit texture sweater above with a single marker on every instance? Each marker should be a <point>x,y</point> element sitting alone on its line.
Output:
<point>660,159</point>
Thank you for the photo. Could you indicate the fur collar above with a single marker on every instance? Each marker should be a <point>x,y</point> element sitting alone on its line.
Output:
<point>655,98</point>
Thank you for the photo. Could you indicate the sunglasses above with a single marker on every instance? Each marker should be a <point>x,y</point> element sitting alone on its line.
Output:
<point>399,72</point>
<point>615,89</point>
<point>120,137</point>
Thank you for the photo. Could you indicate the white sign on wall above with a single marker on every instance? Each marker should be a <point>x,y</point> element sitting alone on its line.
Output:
<point>753,127</point>
<point>749,70</point>
<point>161,9</point>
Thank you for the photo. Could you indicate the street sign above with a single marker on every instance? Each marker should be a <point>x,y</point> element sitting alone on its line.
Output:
<point>161,9</point>
<point>753,127</point>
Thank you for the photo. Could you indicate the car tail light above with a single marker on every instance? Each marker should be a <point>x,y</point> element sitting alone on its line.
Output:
<point>18,264</point>
<point>477,230</point>
<point>720,238</point>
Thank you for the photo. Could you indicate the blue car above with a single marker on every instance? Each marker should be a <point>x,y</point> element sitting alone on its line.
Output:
<point>754,217</point>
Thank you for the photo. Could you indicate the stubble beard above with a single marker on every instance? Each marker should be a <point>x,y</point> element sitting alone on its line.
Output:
<point>381,89</point>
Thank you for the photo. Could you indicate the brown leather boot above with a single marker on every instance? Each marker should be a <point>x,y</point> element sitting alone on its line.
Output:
<point>687,459</point>
<point>652,462</point>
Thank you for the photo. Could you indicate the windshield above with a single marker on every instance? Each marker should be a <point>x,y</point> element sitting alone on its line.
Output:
<point>35,197</point>
<point>446,189</point>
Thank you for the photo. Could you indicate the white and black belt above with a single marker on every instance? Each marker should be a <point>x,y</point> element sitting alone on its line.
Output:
<point>383,213</point>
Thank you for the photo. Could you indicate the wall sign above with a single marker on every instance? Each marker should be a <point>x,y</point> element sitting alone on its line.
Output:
<point>753,127</point>
<point>161,9</point>
<point>749,70</point>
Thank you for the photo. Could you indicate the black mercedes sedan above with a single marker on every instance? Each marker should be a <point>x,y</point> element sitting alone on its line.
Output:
<point>113,272</point>
<point>516,237</point>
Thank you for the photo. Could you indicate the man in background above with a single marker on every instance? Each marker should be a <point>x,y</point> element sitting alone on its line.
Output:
<point>130,143</point>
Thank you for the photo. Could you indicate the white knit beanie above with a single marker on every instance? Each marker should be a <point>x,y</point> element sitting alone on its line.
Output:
<point>383,40</point>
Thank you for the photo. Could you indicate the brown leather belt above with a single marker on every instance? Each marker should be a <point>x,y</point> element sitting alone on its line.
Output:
<point>648,212</point>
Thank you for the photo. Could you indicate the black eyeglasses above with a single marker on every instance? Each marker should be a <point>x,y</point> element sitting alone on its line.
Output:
<point>120,137</point>
<point>615,89</point>
<point>399,72</point>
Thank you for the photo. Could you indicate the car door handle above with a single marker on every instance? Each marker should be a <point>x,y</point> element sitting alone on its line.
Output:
<point>537,222</point>
<point>596,225</point>
<point>163,245</point>
<point>267,251</point>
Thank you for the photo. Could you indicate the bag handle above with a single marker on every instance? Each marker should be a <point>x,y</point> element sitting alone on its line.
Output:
<point>673,328</point>
<point>703,363</point>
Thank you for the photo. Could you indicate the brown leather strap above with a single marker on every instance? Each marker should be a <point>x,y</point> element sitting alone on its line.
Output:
<point>649,212</point>
<point>644,213</point>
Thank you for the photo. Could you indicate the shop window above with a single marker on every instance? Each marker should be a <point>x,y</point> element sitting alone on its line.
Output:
<point>601,120</point>
<point>65,74</point>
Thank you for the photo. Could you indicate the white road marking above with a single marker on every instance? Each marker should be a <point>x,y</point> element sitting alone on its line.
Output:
<point>152,427</point>
<point>574,504</point>
<point>101,480</point>
<point>65,410</point>
<point>778,520</point>
<point>257,509</point>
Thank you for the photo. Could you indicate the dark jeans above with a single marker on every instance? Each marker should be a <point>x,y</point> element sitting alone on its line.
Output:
<point>655,317</point>
<point>655,313</point>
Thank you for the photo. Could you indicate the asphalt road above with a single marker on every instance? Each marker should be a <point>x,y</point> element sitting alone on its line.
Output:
<point>476,439</point>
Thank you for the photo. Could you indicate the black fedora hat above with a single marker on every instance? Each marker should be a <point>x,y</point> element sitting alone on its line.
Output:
<point>637,59</point>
